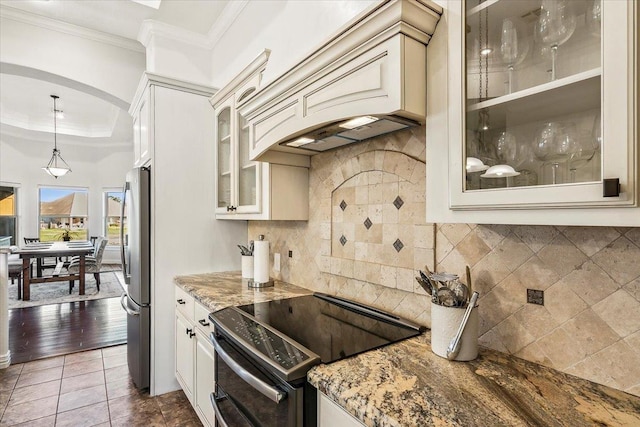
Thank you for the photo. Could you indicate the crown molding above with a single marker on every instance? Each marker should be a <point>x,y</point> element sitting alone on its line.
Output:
<point>10,133</point>
<point>228,16</point>
<point>230,13</point>
<point>151,28</point>
<point>7,12</point>
<point>256,66</point>
<point>153,79</point>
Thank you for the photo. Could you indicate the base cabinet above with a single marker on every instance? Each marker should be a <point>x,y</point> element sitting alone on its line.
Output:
<point>330,414</point>
<point>184,355</point>
<point>194,355</point>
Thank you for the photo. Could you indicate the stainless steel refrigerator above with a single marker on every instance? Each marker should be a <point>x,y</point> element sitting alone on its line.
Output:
<point>135,241</point>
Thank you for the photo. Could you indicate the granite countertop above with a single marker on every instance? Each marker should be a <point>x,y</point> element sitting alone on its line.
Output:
<point>406,384</point>
<point>220,290</point>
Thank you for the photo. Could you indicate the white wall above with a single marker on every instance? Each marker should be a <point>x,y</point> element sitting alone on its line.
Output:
<point>291,29</point>
<point>95,168</point>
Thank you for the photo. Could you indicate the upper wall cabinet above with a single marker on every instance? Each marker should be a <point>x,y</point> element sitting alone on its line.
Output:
<point>538,115</point>
<point>145,108</point>
<point>248,189</point>
<point>141,131</point>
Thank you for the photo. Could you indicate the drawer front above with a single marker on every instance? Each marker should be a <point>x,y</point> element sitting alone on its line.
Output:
<point>184,303</point>
<point>201,317</point>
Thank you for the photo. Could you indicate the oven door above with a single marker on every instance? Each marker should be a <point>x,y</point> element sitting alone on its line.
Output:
<point>248,395</point>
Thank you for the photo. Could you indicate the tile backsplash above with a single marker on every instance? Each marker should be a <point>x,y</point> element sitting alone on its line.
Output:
<point>589,325</point>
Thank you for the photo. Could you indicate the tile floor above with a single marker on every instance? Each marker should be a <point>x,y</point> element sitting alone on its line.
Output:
<point>92,388</point>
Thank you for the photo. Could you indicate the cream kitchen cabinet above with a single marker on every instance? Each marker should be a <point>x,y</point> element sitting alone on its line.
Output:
<point>532,113</point>
<point>141,130</point>
<point>330,414</point>
<point>246,189</point>
<point>194,354</point>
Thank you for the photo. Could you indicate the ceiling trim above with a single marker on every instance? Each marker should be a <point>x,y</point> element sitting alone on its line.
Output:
<point>228,16</point>
<point>34,73</point>
<point>8,12</point>
<point>230,13</point>
<point>12,133</point>
<point>151,28</point>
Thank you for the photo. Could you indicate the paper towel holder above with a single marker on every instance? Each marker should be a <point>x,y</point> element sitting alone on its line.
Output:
<point>252,283</point>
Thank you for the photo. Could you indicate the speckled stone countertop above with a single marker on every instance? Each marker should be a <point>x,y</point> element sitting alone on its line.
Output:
<point>405,384</point>
<point>220,290</point>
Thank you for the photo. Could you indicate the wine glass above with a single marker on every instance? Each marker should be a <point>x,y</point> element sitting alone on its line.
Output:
<point>582,150</point>
<point>593,17</point>
<point>554,27</point>
<point>553,145</point>
<point>509,47</point>
<point>506,148</point>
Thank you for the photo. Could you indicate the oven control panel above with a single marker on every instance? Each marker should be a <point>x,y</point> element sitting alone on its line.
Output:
<point>268,344</point>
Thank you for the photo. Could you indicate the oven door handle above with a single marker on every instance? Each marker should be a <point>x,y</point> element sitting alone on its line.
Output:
<point>216,409</point>
<point>271,392</point>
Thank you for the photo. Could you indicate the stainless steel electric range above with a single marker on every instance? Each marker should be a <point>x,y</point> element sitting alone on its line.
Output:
<point>264,350</point>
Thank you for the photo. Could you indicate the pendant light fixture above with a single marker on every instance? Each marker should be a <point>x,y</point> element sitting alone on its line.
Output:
<point>56,166</point>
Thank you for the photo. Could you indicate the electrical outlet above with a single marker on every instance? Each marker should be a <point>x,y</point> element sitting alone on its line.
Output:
<point>276,262</point>
<point>535,296</point>
<point>290,254</point>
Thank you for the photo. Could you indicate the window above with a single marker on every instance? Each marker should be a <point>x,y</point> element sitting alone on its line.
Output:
<point>63,211</point>
<point>8,213</point>
<point>112,209</point>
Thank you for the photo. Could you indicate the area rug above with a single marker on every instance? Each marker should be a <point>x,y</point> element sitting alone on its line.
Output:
<point>58,292</point>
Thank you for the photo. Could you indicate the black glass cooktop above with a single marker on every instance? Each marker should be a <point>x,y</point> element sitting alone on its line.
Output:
<point>296,333</point>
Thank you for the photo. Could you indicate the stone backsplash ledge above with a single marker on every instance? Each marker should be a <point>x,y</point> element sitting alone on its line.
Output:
<point>589,325</point>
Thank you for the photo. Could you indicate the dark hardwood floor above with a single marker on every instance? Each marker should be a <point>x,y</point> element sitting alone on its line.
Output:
<point>56,329</point>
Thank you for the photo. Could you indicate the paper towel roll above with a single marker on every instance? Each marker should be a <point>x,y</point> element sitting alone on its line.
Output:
<point>261,261</point>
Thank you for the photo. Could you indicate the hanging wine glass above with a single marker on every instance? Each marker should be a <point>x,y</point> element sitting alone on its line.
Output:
<point>554,27</point>
<point>553,146</point>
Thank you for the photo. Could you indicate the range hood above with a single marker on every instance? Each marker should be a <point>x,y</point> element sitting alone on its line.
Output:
<point>368,79</point>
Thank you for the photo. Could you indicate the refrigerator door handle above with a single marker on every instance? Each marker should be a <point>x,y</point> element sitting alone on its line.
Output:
<point>125,306</point>
<point>123,256</point>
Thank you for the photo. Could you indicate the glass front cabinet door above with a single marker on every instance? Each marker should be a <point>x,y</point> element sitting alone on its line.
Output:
<point>541,115</point>
<point>238,177</point>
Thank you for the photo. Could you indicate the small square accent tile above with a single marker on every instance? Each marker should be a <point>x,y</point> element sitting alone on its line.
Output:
<point>368,223</point>
<point>398,202</point>
<point>398,245</point>
<point>343,240</point>
<point>343,205</point>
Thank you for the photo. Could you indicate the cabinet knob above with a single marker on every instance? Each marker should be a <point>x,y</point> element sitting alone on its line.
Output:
<point>203,322</point>
<point>192,334</point>
<point>181,301</point>
<point>189,331</point>
<point>611,187</point>
<point>231,208</point>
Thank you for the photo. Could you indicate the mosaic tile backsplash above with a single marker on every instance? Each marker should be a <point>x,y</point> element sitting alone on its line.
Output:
<point>589,325</point>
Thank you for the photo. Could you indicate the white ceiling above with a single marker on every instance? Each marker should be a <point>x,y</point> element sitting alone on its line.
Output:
<point>25,103</point>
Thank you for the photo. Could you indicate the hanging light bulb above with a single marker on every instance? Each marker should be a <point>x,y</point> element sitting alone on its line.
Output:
<point>56,166</point>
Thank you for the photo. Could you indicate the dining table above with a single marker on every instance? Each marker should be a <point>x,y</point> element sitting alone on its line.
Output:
<point>39,250</point>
